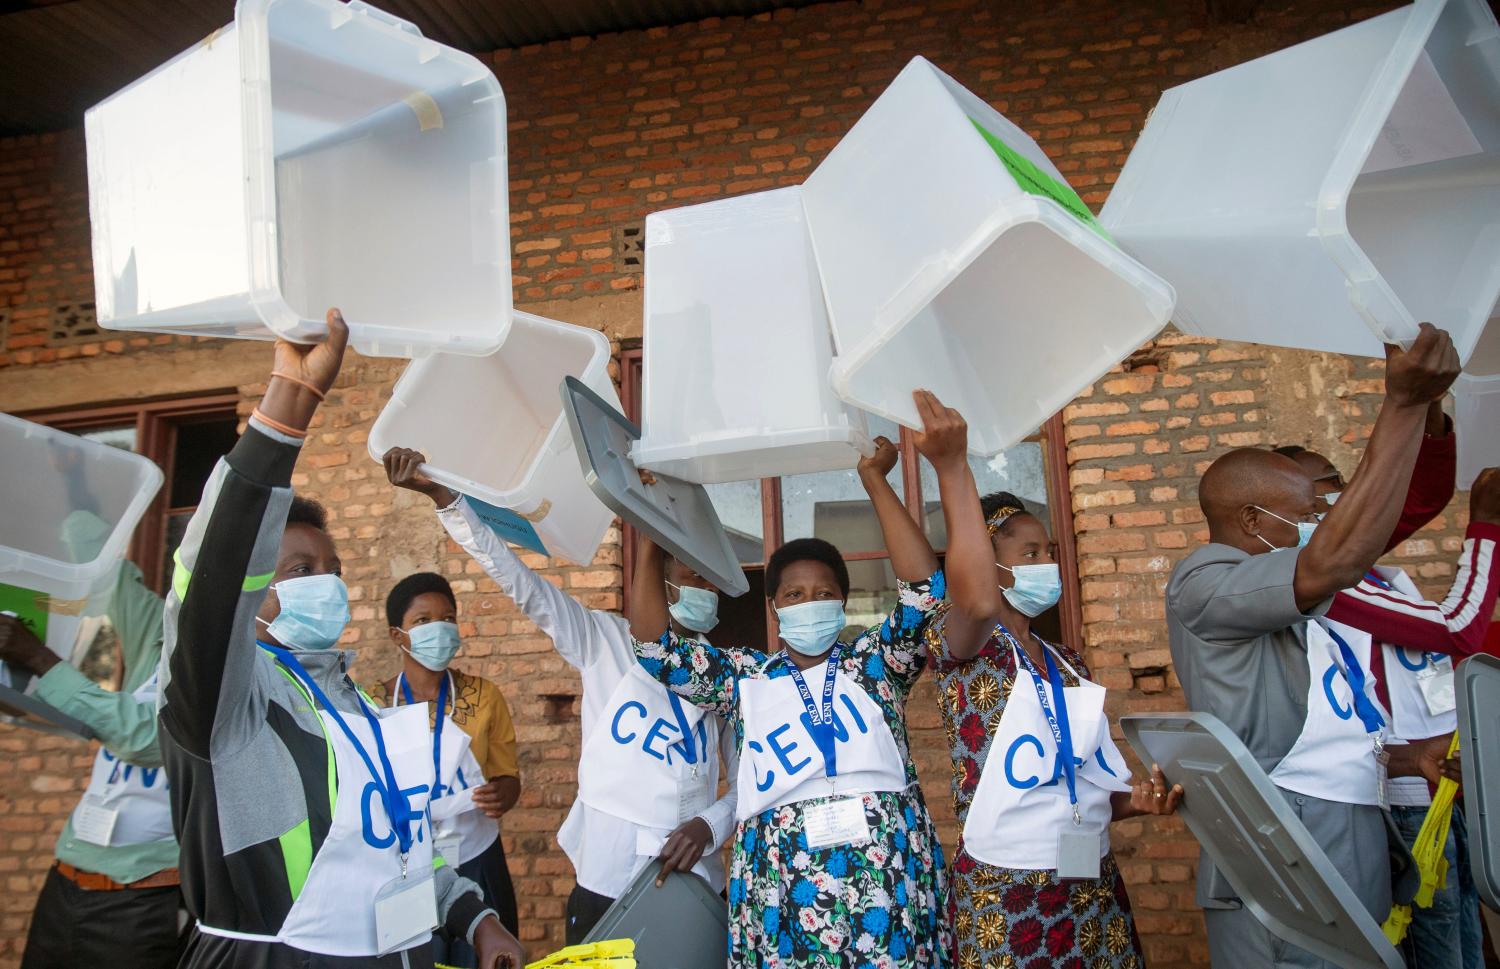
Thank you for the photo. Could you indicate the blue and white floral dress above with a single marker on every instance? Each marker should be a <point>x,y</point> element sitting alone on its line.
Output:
<point>877,902</point>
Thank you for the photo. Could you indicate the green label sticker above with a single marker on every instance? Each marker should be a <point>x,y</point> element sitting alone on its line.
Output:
<point>1034,181</point>
<point>28,606</point>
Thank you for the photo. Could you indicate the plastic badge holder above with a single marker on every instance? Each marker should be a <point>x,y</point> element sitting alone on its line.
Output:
<point>684,924</point>
<point>70,508</point>
<point>492,428</point>
<point>1334,194</point>
<point>738,347</point>
<point>1242,821</point>
<point>310,154</point>
<point>955,258</point>
<point>1478,695</point>
<point>676,515</point>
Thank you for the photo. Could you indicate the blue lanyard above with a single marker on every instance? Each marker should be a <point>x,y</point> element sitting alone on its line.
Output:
<point>1062,731</point>
<point>437,732</point>
<point>396,806</point>
<point>1373,576</point>
<point>821,722</point>
<point>689,743</point>
<point>1354,675</point>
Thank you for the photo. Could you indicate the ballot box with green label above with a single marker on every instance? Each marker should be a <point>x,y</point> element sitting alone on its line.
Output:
<point>71,505</point>
<point>492,428</point>
<point>1332,195</point>
<point>312,153</point>
<point>955,257</point>
<point>1257,842</point>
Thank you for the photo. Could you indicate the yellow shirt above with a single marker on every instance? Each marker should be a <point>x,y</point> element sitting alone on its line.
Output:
<point>479,709</point>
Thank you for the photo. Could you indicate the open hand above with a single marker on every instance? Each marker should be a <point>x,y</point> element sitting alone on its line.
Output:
<point>496,797</point>
<point>403,468</point>
<point>1425,372</point>
<point>684,848</point>
<point>944,437</point>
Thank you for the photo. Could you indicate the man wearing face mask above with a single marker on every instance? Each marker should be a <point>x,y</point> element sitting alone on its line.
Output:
<point>1242,615</point>
<point>650,767</point>
<point>1037,778</point>
<point>473,745</point>
<point>836,860</point>
<point>302,814</point>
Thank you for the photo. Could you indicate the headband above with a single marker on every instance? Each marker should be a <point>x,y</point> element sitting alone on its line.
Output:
<point>1001,516</point>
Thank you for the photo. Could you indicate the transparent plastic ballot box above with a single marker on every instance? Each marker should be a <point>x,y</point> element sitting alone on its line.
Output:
<point>1332,195</point>
<point>492,428</point>
<point>1277,869</point>
<point>70,508</point>
<point>955,257</point>
<point>310,154</point>
<point>737,346</point>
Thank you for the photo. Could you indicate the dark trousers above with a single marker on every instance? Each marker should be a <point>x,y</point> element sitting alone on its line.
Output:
<point>131,928</point>
<point>585,909</point>
<point>490,872</point>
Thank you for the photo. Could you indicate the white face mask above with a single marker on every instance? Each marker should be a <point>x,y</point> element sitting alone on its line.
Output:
<point>314,611</point>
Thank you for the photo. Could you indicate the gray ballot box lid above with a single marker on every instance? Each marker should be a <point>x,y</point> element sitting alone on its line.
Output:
<point>675,514</point>
<point>20,710</point>
<point>1478,695</point>
<point>684,924</point>
<point>1240,818</point>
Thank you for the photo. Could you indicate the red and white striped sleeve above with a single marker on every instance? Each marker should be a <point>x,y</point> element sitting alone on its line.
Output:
<point>1455,626</point>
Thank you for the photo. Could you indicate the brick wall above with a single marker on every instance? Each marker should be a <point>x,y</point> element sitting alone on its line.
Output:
<point>603,131</point>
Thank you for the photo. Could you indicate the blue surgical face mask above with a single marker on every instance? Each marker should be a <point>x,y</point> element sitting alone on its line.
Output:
<point>811,628</point>
<point>1304,529</point>
<point>434,644</point>
<point>314,611</point>
<point>696,609</point>
<point>1037,588</point>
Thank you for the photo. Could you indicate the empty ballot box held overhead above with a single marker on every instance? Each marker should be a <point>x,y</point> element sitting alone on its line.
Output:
<point>492,428</point>
<point>737,346</point>
<point>310,154</point>
<point>1332,195</point>
<point>954,257</point>
<point>71,506</point>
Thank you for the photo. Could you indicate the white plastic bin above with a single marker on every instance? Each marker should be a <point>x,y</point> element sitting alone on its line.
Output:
<point>493,428</point>
<point>310,154</point>
<point>69,510</point>
<point>1476,421</point>
<point>956,259</point>
<point>1332,195</point>
<point>737,347</point>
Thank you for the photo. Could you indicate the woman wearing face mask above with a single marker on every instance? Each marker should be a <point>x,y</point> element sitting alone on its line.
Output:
<point>301,812</point>
<point>836,860</point>
<point>474,741</point>
<point>1036,775</point>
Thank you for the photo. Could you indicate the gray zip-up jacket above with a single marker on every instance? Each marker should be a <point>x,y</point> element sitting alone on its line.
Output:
<point>246,755</point>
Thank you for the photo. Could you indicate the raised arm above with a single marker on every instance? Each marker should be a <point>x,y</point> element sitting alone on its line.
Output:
<point>974,594</point>
<point>1356,529</point>
<point>228,557</point>
<point>911,554</point>
<point>577,632</point>
<point>649,618</point>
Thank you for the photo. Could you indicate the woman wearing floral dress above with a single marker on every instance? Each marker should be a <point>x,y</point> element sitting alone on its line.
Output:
<point>1034,882</point>
<point>836,861</point>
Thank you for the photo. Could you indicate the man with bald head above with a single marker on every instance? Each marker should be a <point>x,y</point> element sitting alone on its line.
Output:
<point>1239,616</point>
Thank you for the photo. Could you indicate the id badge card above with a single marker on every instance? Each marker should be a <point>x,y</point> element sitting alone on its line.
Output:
<point>1382,778</point>
<point>1437,689</point>
<point>93,822</point>
<point>405,911</point>
<point>837,822</point>
<point>1078,853</point>
<point>449,847</point>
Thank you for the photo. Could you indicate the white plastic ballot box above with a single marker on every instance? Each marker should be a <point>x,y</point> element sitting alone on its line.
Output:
<point>492,428</point>
<point>70,508</point>
<point>1332,195</point>
<point>737,348</point>
<point>955,258</point>
<point>310,154</point>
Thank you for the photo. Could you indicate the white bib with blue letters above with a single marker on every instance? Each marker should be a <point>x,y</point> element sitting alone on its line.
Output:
<point>125,804</point>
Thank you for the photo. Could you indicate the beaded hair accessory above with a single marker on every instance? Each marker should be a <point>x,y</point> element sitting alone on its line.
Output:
<point>1001,516</point>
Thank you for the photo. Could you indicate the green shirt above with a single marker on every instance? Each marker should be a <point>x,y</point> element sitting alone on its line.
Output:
<point>124,724</point>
